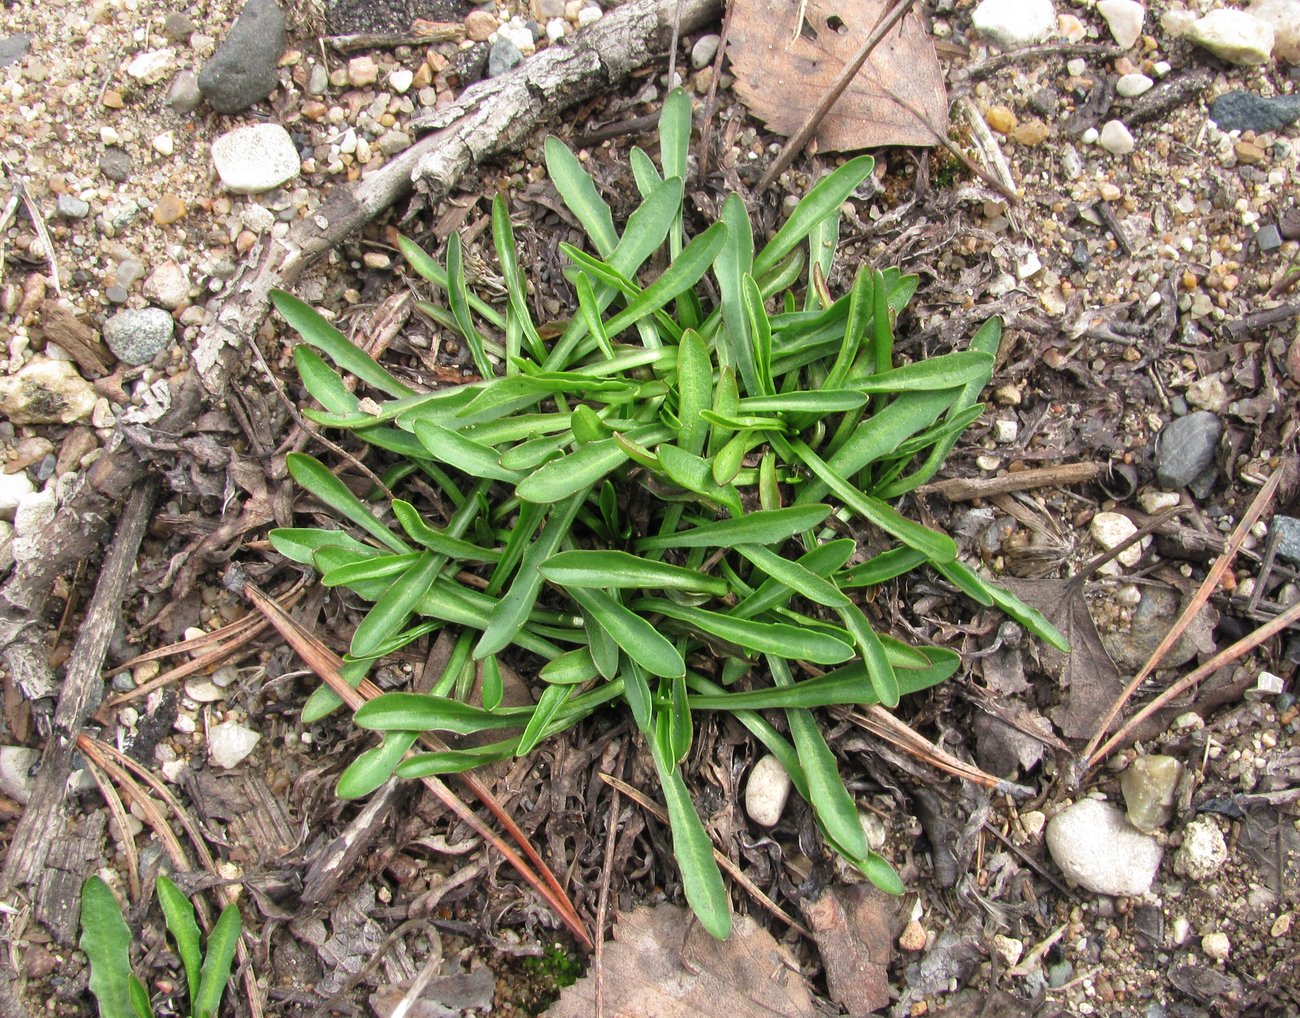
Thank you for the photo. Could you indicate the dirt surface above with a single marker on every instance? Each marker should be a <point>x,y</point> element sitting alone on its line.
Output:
<point>1135,288</point>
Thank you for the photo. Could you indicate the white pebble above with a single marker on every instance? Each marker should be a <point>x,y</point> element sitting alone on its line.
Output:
<point>1005,432</point>
<point>400,80</point>
<point>1216,945</point>
<point>16,779</point>
<point>1014,23</point>
<point>1234,36</point>
<point>1096,847</point>
<point>1124,19</point>
<point>255,158</point>
<point>555,29</point>
<point>1203,852</point>
<point>165,143</point>
<point>1090,136</point>
<point>1115,138</point>
<point>589,16</point>
<point>230,742</point>
<point>1112,529</point>
<point>1132,85</point>
<point>13,489</point>
<point>1077,67</point>
<point>1154,501</point>
<point>766,791</point>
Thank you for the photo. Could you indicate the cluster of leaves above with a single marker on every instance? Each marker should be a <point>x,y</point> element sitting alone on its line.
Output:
<point>656,506</point>
<point>106,939</point>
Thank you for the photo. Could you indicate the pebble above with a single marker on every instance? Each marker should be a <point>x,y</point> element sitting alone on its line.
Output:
<point>184,95</point>
<point>14,47</point>
<point>1111,530</point>
<point>503,56</point>
<point>1245,111</point>
<point>1124,19</point>
<point>242,71</point>
<point>115,165</point>
<point>151,66</point>
<point>589,16</point>
<point>13,489</point>
<point>203,690</point>
<point>1154,501</point>
<point>479,25</point>
<point>1005,431</point>
<point>46,391</point>
<point>1033,821</point>
<point>400,80</point>
<point>16,778</point>
<point>168,210</point>
<point>229,743</point>
<point>1148,785</point>
<point>1179,930</point>
<point>767,791</point>
<point>913,937</point>
<point>255,158</point>
<point>137,336</point>
<point>1234,36</point>
<point>1096,847</point>
<point>1115,138</point>
<point>1203,852</point>
<point>1001,119</point>
<point>1130,86</point>
<point>69,206</point>
<point>1286,531</point>
<point>1076,67</point>
<point>873,829</point>
<point>704,50</point>
<point>178,27</point>
<point>1249,153</point>
<point>1185,449</point>
<point>1008,949</point>
<point>1284,17</point>
<point>1014,23</point>
<point>318,80</point>
<point>1216,945</point>
<point>164,144</point>
<point>1032,132</point>
<point>168,285</point>
<point>362,71</point>
<point>1281,925</point>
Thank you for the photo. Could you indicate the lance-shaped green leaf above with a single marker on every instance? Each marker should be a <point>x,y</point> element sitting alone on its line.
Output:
<point>736,260</point>
<point>357,571</point>
<point>316,478</point>
<point>456,761</point>
<point>579,193</point>
<point>375,766</point>
<point>882,567</point>
<point>795,576</point>
<point>604,569</point>
<point>323,382</point>
<point>823,401</point>
<point>337,347</point>
<point>549,704</point>
<point>636,693</point>
<point>458,301</point>
<point>874,656</point>
<point>437,540</point>
<point>792,642</point>
<point>218,956</point>
<point>300,544</point>
<point>454,449</point>
<point>823,201</point>
<point>944,372</point>
<point>575,472</point>
<point>683,273</point>
<point>503,239</point>
<point>765,527</point>
<point>424,712</point>
<point>423,264</point>
<point>638,639</point>
<point>178,913</point>
<point>1029,617</point>
<point>695,474</point>
<point>571,668</point>
<point>821,561</point>
<point>694,390</point>
<point>393,609</point>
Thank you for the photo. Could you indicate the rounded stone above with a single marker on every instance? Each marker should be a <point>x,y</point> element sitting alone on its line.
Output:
<point>1124,19</point>
<point>13,489</point>
<point>1098,849</point>
<point>229,743</point>
<point>46,391</point>
<point>243,69</point>
<point>1014,23</point>
<point>704,50</point>
<point>767,791</point>
<point>1111,530</point>
<point>137,336</point>
<point>1115,138</point>
<point>1130,86</point>
<point>1186,449</point>
<point>255,158</point>
<point>168,285</point>
<point>1235,36</point>
<point>1203,851</point>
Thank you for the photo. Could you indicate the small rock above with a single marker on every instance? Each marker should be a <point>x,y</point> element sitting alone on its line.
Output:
<point>1284,18</point>
<point>1281,925</point>
<point>165,144</point>
<point>1208,393</point>
<point>1203,851</point>
<point>229,743</point>
<point>544,10</point>
<point>242,72</point>
<point>873,828</point>
<point>1008,949</point>
<point>1154,501</point>
<point>1148,785</point>
<point>1249,153</point>
<point>1267,685</point>
<point>1032,132</point>
<point>151,66</point>
<point>1130,86</point>
<point>1234,36</point>
<point>255,158</point>
<point>1096,847</point>
<point>503,56</point>
<point>138,336</point>
<point>589,16</point>
<point>704,50</point>
<point>13,489</point>
<point>400,80</point>
<point>69,206</point>
<point>1286,532</point>
<point>556,29</point>
<point>318,80</point>
<point>168,285</point>
<point>362,71</point>
<point>201,689</point>
<point>1245,111</point>
<point>766,791</point>
<point>1001,119</point>
<point>1130,647</point>
<point>1111,530</point>
<point>16,778</point>
<point>1013,23</point>
<point>1070,28</point>
<point>1005,431</point>
<point>1179,930</point>
<point>1033,821</point>
<point>46,391</point>
<point>1216,945</point>
<point>1115,138</point>
<point>14,47</point>
<point>1124,19</point>
<point>168,210</point>
<point>392,142</point>
<point>480,24</point>
<point>1186,448</point>
<point>178,26</point>
<point>115,165</point>
<point>913,937</point>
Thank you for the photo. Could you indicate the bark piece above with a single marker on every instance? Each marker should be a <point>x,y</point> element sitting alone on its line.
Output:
<point>898,98</point>
<point>61,325</point>
<point>854,930</point>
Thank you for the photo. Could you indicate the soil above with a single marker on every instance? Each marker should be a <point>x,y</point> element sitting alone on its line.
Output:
<point>1134,288</point>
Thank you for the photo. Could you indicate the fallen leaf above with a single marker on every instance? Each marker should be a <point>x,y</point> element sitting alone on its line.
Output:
<point>898,98</point>
<point>1087,674</point>
<point>449,996</point>
<point>854,930</point>
<point>662,964</point>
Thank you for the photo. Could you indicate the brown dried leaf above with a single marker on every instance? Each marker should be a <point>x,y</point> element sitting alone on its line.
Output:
<point>662,964</point>
<point>898,97</point>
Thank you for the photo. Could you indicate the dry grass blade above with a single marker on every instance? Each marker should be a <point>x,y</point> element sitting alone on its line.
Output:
<point>1212,579</point>
<point>115,807</point>
<point>326,665</point>
<point>652,807</point>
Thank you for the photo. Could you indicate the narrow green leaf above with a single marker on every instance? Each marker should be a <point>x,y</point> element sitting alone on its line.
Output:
<point>178,913</point>
<point>458,301</point>
<point>106,940</point>
<point>680,728</point>
<point>694,390</point>
<point>766,527</point>
<point>550,703</point>
<point>604,569</point>
<point>300,544</point>
<point>822,402</point>
<point>796,577</point>
<point>575,472</point>
<point>323,382</point>
<point>735,260</point>
<point>760,335</point>
<point>636,693</point>
<point>393,609</point>
<point>730,458</point>
<point>881,672</point>
<point>821,202</point>
<point>948,371</point>
<point>503,239</point>
<point>219,955</point>
<point>579,193</point>
<point>139,997</point>
<point>424,712</point>
<point>456,761</point>
<point>313,475</point>
<point>695,474</point>
<point>683,273</point>
<point>590,312</point>
<point>423,264</point>
<point>454,449</point>
<point>882,567</point>
<point>356,571</point>
<point>436,540</point>
<point>1029,617</point>
<point>375,766</point>
<point>571,668</point>
<point>756,637</point>
<point>638,639</point>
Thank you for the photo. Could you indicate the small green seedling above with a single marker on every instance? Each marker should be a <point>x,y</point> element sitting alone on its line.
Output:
<point>676,502</point>
<point>106,939</point>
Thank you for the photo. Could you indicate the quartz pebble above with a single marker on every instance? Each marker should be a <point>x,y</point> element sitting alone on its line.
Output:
<point>704,50</point>
<point>46,391</point>
<point>255,158</point>
<point>1097,848</point>
<point>151,66</point>
<point>1124,19</point>
<point>1267,685</point>
<point>1216,945</point>
<point>1130,86</point>
<point>1115,138</point>
<point>168,285</point>
<point>1284,18</point>
<point>1234,36</point>
<point>1154,501</point>
<point>1203,851</point>
<point>766,791</point>
<point>400,80</point>
<point>229,743</point>
<point>1014,23</point>
<point>1112,529</point>
<point>16,778</point>
<point>1148,785</point>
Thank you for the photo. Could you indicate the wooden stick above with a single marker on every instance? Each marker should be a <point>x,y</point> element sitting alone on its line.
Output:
<point>963,489</point>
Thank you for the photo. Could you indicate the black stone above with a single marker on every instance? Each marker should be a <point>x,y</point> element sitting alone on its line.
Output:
<point>1185,453</point>
<point>115,165</point>
<point>470,64</point>
<point>242,71</point>
<point>14,47</point>
<point>1269,238</point>
<point>1245,111</point>
<point>1079,255</point>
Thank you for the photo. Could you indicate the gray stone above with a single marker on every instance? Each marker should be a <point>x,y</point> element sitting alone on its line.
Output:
<point>704,50</point>
<point>242,71</point>
<point>69,206</point>
<point>184,95</point>
<point>115,165</point>
<point>1287,534</point>
<point>1132,646</point>
<point>46,391</point>
<point>17,777</point>
<point>1186,449</point>
<point>1203,851</point>
<point>178,26</point>
<point>318,81</point>
<point>255,158</point>
<point>1098,849</point>
<point>138,336</point>
<point>503,56</point>
<point>14,47</point>
<point>1245,111</point>
<point>1269,238</point>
